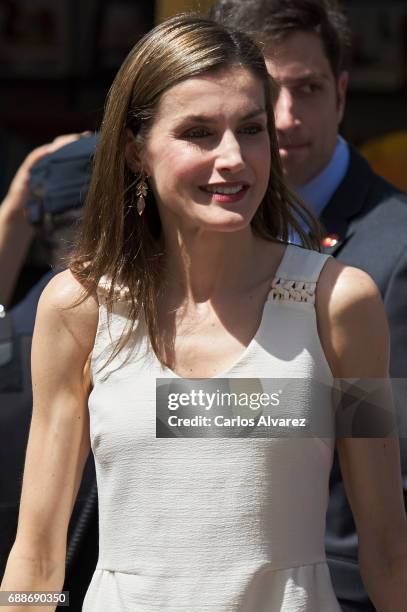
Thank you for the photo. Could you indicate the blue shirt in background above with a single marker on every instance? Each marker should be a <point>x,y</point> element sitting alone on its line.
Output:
<point>317,193</point>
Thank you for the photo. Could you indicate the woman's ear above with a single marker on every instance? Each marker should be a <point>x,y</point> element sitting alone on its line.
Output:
<point>132,152</point>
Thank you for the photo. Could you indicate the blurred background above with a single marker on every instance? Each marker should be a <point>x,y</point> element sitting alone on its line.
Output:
<point>59,57</point>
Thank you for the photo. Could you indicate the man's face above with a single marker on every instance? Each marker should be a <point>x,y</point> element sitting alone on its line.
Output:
<point>309,106</point>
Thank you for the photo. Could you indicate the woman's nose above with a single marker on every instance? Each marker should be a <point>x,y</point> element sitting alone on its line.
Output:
<point>229,154</point>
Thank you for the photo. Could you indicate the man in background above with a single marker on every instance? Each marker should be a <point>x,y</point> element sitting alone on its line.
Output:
<point>306,45</point>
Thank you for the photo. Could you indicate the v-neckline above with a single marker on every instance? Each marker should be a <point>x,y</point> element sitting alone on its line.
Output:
<point>247,350</point>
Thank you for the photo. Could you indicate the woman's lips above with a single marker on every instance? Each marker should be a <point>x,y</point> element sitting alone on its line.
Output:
<point>217,196</point>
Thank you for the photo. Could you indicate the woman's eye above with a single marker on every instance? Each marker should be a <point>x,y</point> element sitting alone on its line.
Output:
<point>197,133</point>
<point>252,129</point>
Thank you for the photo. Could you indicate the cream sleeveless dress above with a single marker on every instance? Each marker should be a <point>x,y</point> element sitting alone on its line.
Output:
<point>219,525</point>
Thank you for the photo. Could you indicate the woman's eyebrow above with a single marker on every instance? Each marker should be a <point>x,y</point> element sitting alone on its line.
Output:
<point>254,113</point>
<point>202,118</point>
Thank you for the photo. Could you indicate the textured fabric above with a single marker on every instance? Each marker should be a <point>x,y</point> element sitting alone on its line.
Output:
<point>219,525</point>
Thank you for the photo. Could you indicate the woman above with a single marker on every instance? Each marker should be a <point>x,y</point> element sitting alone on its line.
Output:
<point>183,270</point>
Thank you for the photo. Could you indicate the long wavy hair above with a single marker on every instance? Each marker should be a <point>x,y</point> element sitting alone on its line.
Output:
<point>115,242</point>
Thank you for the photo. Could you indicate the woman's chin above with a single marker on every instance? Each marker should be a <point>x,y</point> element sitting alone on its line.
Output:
<point>227,222</point>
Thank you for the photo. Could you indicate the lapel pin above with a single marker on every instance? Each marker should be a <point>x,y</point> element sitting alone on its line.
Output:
<point>330,241</point>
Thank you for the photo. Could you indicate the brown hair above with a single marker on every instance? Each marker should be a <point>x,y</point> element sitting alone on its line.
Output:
<point>272,20</point>
<point>116,242</point>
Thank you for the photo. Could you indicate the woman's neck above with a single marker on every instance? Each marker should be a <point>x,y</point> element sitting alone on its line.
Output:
<point>202,264</point>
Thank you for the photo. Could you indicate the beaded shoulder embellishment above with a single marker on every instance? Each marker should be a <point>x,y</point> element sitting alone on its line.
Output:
<point>294,291</point>
<point>121,294</point>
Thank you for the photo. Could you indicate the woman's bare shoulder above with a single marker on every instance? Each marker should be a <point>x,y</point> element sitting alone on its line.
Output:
<point>351,321</point>
<point>342,287</point>
<point>64,302</point>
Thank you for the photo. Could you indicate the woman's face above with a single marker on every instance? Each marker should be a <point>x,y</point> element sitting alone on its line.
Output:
<point>208,152</point>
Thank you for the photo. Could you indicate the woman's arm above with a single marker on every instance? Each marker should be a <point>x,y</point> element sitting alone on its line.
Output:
<point>58,443</point>
<point>354,333</point>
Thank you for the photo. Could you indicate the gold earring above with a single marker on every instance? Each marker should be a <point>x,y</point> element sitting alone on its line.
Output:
<point>141,193</point>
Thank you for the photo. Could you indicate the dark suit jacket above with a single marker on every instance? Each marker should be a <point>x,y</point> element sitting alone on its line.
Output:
<point>370,217</point>
<point>15,417</point>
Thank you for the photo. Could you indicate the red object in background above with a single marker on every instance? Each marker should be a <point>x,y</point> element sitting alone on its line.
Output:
<point>330,241</point>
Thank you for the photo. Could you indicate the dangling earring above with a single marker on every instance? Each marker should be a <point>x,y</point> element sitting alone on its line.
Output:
<point>141,193</point>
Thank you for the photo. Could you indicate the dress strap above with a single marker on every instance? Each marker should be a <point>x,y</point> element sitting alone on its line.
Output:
<point>297,276</point>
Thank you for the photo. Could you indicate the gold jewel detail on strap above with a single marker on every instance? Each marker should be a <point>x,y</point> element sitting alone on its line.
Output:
<point>121,294</point>
<point>292,290</point>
